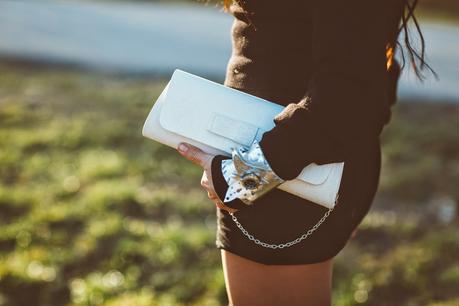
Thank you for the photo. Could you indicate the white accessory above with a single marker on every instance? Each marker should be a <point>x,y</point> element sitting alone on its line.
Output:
<point>248,174</point>
<point>217,118</point>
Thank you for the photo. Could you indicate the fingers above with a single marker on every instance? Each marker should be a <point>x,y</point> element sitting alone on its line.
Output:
<point>195,154</point>
<point>205,181</point>
<point>224,207</point>
<point>211,194</point>
<point>214,197</point>
<point>199,157</point>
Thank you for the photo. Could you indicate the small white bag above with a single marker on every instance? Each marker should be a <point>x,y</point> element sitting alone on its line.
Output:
<point>216,118</point>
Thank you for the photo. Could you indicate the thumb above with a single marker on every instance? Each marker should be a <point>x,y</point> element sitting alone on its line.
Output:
<point>194,154</point>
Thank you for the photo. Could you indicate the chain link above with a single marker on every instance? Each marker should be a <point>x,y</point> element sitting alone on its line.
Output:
<point>282,245</point>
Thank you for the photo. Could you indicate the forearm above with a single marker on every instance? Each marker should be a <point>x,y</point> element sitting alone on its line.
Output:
<point>346,96</point>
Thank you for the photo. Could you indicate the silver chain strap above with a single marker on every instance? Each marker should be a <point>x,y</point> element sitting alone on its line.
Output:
<point>287,244</point>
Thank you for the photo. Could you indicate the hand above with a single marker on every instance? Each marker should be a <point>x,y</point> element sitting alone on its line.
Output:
<point>204,160</point>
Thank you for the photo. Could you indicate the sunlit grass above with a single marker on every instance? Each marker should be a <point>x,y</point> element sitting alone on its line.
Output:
<point>92,213</point>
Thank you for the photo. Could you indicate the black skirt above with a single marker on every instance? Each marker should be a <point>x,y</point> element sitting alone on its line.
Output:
<point>280,217</point>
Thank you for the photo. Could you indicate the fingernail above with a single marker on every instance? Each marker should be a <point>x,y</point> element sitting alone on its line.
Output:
<point>182,147</point>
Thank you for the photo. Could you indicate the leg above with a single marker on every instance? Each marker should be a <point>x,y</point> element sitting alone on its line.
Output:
<point>249,283</point>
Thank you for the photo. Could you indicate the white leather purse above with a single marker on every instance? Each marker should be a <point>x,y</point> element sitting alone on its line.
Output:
<point>216,118</point>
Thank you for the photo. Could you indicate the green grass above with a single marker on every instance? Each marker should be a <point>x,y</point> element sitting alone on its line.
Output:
<point>92,213</point>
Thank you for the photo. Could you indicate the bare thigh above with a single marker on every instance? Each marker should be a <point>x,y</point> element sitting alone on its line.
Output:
<point>249,283</point>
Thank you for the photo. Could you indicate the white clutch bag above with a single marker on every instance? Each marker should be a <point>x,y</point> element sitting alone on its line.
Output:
<point>216,118</point>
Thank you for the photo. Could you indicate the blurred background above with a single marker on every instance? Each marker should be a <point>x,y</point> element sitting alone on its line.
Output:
<point>92,213</point>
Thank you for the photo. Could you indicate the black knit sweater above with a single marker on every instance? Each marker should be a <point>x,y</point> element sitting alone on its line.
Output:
<point>326,61</point>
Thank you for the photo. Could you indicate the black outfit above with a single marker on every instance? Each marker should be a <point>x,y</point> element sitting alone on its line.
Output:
<point>326,61</point>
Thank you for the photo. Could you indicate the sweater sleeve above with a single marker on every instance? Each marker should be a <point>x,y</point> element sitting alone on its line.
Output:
<point>347,92</point>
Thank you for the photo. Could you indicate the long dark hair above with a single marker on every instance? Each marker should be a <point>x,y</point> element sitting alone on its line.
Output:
<point>416,58</point>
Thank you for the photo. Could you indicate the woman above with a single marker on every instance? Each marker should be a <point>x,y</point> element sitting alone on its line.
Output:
<point>331,63</point>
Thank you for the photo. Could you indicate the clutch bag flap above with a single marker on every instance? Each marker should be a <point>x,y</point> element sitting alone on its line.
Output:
<point>216,118</point>
<point>216,115</point>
